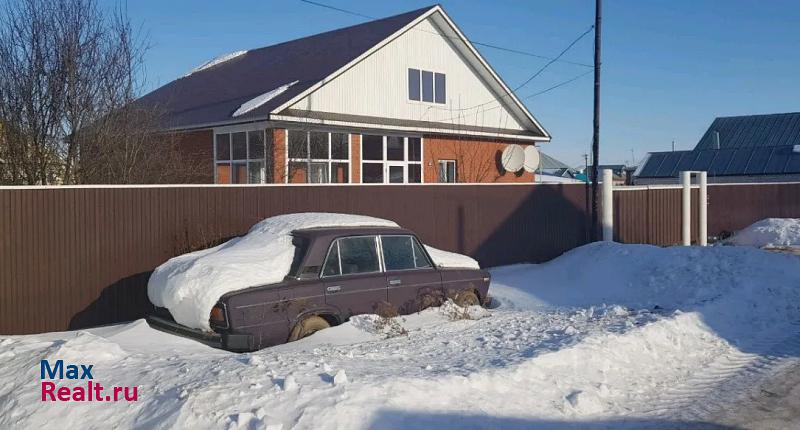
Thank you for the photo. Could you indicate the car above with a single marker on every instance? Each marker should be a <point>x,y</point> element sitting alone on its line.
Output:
<point>337,272</point>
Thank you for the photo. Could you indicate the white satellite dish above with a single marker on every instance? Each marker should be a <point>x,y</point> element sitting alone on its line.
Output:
<point>513,158</point>
<point>531,159</point>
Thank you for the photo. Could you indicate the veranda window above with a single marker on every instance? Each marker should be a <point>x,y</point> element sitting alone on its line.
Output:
<point>243,157</point>
<point>318,157</point>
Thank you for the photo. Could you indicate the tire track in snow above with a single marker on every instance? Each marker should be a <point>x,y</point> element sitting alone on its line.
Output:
<point>727,381</point>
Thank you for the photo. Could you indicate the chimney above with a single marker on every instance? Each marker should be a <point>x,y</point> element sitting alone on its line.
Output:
<point>716,139</point>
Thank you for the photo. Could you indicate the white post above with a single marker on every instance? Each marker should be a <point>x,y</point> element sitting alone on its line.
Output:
<point>703,210</point>
<point>608,206</point>
<point>686,215</point>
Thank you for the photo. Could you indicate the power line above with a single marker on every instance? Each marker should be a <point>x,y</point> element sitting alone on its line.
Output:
<point>484,44</point>
<point>568,81</point>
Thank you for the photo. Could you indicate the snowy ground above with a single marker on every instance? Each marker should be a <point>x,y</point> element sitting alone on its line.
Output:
<point>606,336</point>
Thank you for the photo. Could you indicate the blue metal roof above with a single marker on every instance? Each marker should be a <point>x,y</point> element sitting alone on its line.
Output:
<point>748,145</point>
<point>751,131</point>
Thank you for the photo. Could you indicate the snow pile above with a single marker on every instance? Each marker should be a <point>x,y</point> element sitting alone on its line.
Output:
<point>769,233</point>
<point>263,98</point>
<point>189,285</point>
<point>606,336</point>
<point>219,60</point>
<point>451,259</point>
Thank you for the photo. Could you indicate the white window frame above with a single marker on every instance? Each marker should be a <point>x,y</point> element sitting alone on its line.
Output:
<point>230,131</point>
<point>330,161</point>
<point>439,170</point>
<point>385,162</point>
<point>434,102</point>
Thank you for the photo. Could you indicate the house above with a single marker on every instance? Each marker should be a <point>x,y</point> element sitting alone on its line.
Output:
<point>619,173</point>
<point>752,148</point>
<point>553,170</point>
<point>404,99</point>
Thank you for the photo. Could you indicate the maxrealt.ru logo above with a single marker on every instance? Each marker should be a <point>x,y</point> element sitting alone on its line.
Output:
<point>52,374</point>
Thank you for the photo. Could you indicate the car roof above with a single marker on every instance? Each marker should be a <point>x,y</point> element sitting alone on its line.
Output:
<point>350,230</point>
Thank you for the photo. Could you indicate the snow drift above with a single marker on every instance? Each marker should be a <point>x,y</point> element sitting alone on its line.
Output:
<point>190,285</point>
<point>219,60</point>
<point>769,233</point>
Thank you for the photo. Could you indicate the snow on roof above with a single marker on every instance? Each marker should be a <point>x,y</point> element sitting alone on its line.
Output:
<point>219,60</point>
<point>263,98</point>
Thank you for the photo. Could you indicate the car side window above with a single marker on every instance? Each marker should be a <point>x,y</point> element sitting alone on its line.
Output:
<point>420,257</point>
<point>355,255</point>
<point>403,253</point>
<point>398,252</point>
<point>332,265</point>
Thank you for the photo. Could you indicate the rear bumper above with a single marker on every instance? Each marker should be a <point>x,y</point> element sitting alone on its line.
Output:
<point>228,341</point>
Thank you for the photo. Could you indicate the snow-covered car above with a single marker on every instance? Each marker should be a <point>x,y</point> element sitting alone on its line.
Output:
<point>293,275</point>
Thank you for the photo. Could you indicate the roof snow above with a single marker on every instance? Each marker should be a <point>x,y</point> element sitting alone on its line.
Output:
<point>263,98</point>
<point>219,60</point>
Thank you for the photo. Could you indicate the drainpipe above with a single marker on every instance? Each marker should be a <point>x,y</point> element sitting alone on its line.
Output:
<point>608,206</point>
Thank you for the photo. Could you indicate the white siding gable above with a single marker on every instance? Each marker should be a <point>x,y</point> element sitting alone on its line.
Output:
<point>378,85</point>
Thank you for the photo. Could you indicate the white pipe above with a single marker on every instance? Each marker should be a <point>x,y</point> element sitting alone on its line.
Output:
<point>703,210</point>
<point>686,214</point>
<point>608,206</point>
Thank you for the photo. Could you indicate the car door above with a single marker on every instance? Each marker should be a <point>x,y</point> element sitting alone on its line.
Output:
<point>352,275</point>
<point>413,282</point>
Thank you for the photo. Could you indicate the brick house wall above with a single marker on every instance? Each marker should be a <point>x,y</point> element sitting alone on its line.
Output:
<point>477,160</point>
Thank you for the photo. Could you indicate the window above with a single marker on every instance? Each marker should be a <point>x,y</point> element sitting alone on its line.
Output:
<point>403,253</point>
<point>413,84</point>
<point>439,86</point>
<point>352,255</point>
<point>391,159</point>
<point>427,86</point>
<point>447,171</point>
<point>318,157</point>
<point>243,157</point>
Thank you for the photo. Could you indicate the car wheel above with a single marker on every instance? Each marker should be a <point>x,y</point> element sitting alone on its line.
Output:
<point>307,327</point>
<point>466,298</point>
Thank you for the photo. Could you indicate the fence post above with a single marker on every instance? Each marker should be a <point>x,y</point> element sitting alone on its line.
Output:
<point>703,211</point>
<point>686,209</point>
<point>608,206</point>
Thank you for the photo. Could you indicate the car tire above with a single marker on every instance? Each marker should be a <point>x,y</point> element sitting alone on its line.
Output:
<point>307,327</point>
<point>466,298</point>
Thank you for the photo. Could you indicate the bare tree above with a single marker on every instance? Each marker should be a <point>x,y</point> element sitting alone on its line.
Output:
<point>69,74</point>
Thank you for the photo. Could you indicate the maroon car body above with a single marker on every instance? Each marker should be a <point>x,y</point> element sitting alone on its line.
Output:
<point>336,273</point>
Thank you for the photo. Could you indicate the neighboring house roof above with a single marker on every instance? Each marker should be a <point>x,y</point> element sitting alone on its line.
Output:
<point>748,145</point>
<point>254,85</point>
<point>547,162</point>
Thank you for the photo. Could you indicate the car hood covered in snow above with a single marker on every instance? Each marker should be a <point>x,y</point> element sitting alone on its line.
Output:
<point>191,284</point>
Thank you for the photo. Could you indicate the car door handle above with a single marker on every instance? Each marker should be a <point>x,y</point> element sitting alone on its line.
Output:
<point>333,289</point>
<point>395,282</point>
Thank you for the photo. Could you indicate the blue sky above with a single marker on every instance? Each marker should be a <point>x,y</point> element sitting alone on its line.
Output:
<point>669,67</point>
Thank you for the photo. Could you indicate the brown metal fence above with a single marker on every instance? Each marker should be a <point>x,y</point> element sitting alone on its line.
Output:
<point>74,257</point>
<point>653,214</point>
<point>81,256</point>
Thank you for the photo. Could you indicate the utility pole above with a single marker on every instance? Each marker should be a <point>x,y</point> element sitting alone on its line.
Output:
<point>598,8</point>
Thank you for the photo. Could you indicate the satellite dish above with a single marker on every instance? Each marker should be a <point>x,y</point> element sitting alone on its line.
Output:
<point>513,158</point>
<point>531,159</point>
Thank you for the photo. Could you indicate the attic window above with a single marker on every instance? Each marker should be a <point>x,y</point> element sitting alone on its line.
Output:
<point>427,86</point>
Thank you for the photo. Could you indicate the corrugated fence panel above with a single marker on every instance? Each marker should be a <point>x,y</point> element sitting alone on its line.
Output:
<point>77,257</point>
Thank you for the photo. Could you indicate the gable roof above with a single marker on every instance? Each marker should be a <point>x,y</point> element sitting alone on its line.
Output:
<point>748,145</point>
<point>212,95</point>
<point>753,131</point>
<point>282,74</point>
